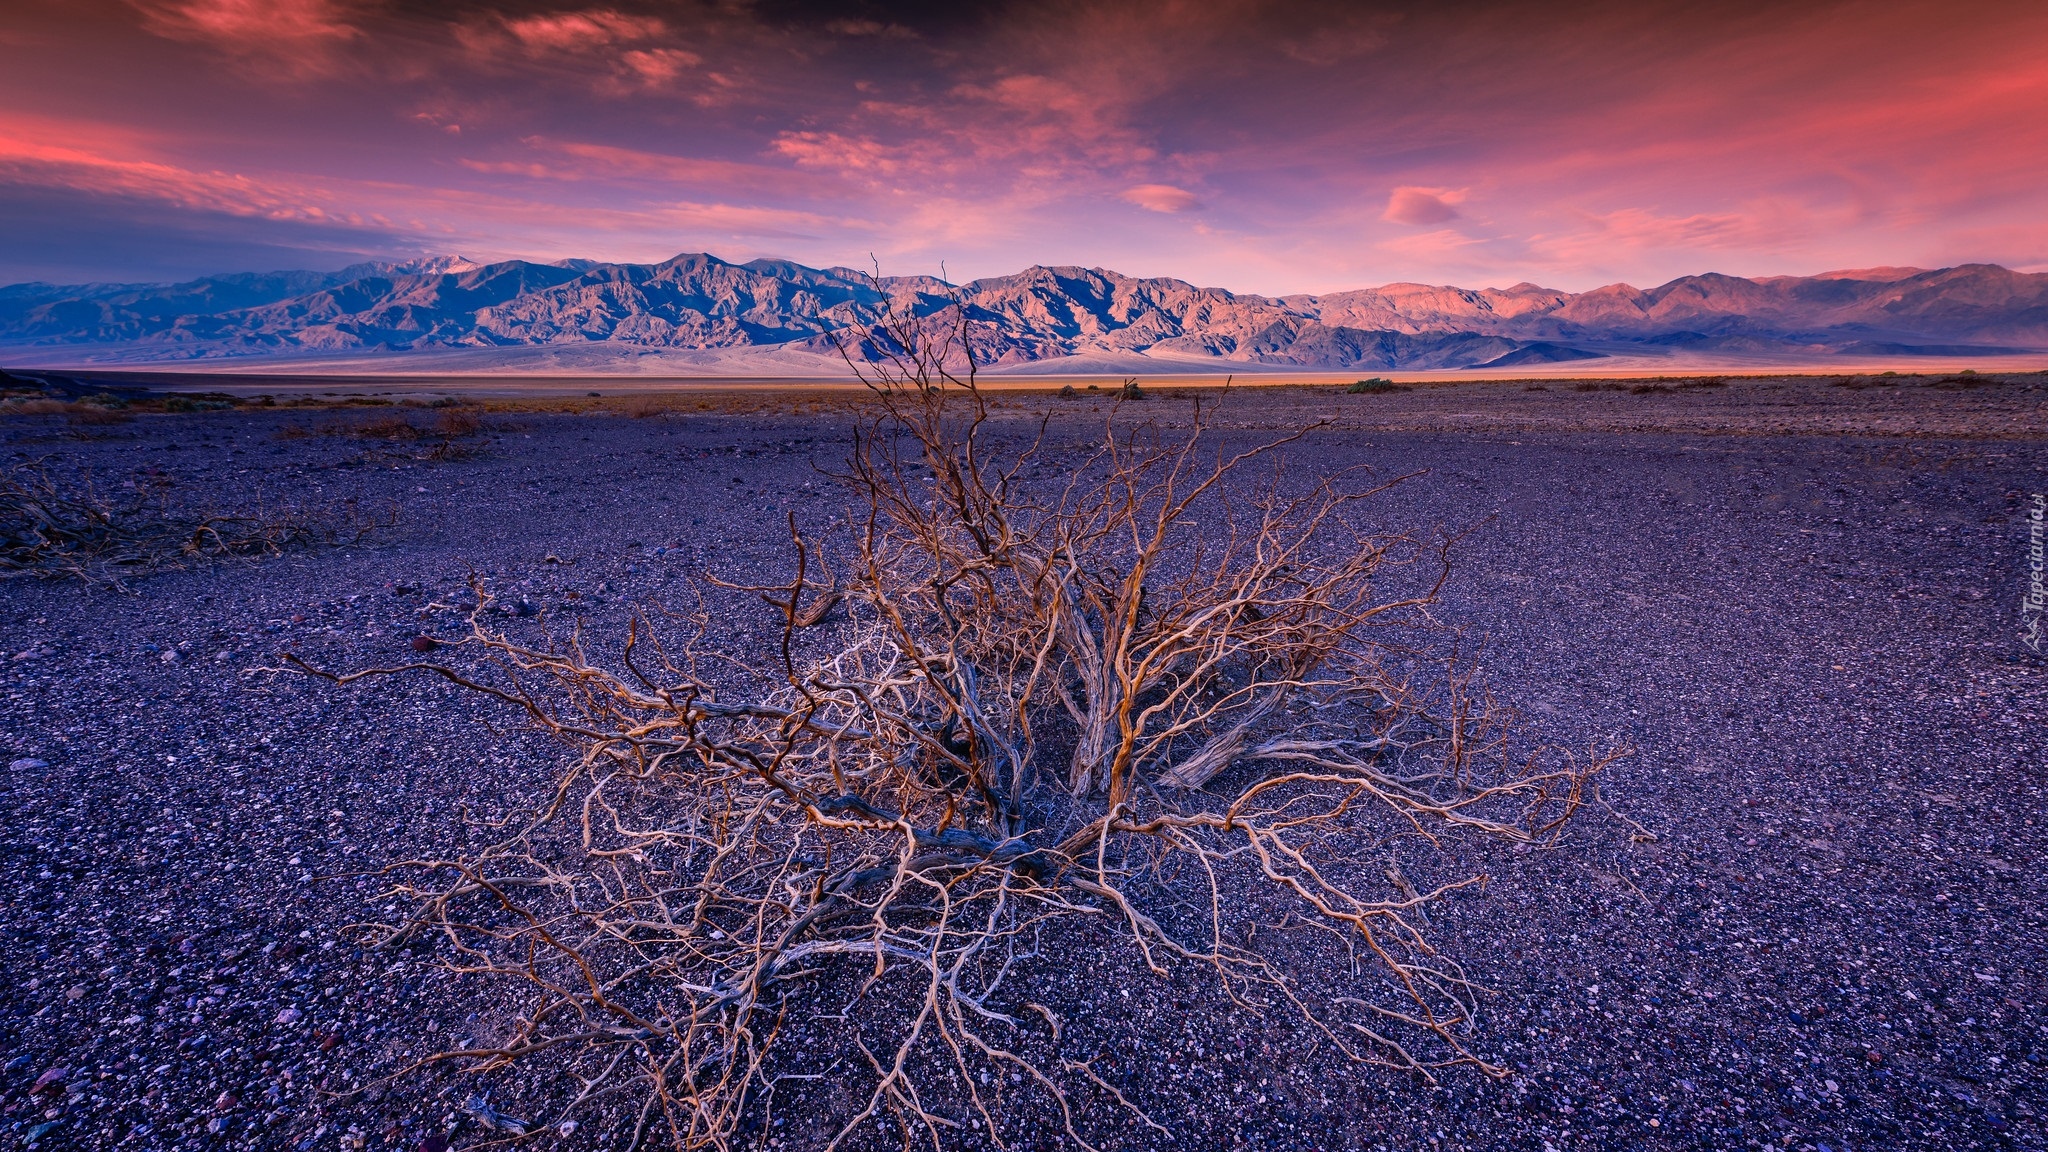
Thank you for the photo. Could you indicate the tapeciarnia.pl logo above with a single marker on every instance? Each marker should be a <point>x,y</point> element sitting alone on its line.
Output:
<point>2036,600</point>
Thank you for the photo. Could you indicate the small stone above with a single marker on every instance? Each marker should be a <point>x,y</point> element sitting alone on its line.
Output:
<point>28,764</point>
<point>53,1076</point>
<point>170,656</point>
<point>289,1016</point>
<point>424,644</point>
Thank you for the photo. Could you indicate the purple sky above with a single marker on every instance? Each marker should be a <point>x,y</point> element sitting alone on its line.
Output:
<point>1261,147</point>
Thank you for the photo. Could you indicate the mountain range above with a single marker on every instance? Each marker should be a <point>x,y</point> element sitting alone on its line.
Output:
<point>697,313</point>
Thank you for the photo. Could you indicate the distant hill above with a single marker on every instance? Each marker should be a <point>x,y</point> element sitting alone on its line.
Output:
<point>699,310</point>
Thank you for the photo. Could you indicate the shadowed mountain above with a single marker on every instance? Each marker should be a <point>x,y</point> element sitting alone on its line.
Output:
<point>1036,318</point>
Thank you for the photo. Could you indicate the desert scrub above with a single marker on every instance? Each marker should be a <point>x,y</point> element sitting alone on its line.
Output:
<point>450,433</point>
<point>196,404</point>
<point>66,529</point>
<point>93,410</point>
<point>1160,716</point>
<point>1372,385</point>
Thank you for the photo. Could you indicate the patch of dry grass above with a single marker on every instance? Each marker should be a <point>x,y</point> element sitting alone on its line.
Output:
<point>57,528</point>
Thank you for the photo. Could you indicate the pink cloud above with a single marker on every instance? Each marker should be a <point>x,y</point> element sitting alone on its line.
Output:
<point>1412,205</point>
<point>293,40</point>
<point>245,23</point>
<point>1160,198</point>
<point>617,54</point>
<point>582,31</point>
<point>834,151</point>
<point>77,156</point>
<point>578,161</point>
<point>658,66</point>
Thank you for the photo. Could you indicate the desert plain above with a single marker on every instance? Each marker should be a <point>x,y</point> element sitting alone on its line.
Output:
<point>1809,914</point>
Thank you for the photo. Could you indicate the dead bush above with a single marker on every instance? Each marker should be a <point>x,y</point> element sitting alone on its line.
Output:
<point>453,423</point>
<point>74,412</point>
<point>1168,698</point>
<point>57,528</point>
<point>646,407</point>
<point>95,411</point>
<point>448,437</point>
<point>393,427</point>
<point>1966,379</point>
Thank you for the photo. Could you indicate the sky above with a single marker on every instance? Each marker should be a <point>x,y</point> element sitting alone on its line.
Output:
<point>1262,147</point>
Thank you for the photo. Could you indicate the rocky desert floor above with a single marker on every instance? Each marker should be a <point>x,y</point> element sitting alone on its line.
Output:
<point>1798,601</point>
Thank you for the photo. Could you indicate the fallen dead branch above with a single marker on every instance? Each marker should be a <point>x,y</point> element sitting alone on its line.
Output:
<point>1154,699</point>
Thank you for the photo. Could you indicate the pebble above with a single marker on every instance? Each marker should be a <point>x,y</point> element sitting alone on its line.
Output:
<point>28,764</point>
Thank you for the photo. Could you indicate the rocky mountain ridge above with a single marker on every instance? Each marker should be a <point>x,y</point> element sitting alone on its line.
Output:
<point>1038,318</point>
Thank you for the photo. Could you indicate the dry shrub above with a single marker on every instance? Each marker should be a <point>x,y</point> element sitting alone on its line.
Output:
<point>1966,379</point>
<point>82,413</point>
<point>95,415</point>
<point>66,529</point>
<point>1159,713</point>
<point>646,407</point>
<point>447,434</point>
<point>453,423</point>
<point>392,427</point>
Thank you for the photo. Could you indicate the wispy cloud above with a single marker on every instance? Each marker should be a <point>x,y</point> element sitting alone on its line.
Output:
<point>78,156</point>
<point>250,23</point>
<point>585,31</point>
<point>1411,205</point>
<point>290,39</point>
<point>1160,198</point>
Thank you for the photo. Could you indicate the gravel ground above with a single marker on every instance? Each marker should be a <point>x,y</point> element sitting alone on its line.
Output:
<point>1798,603</point>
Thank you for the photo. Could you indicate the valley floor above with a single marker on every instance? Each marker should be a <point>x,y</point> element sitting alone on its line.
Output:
<point>1798,603</point>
